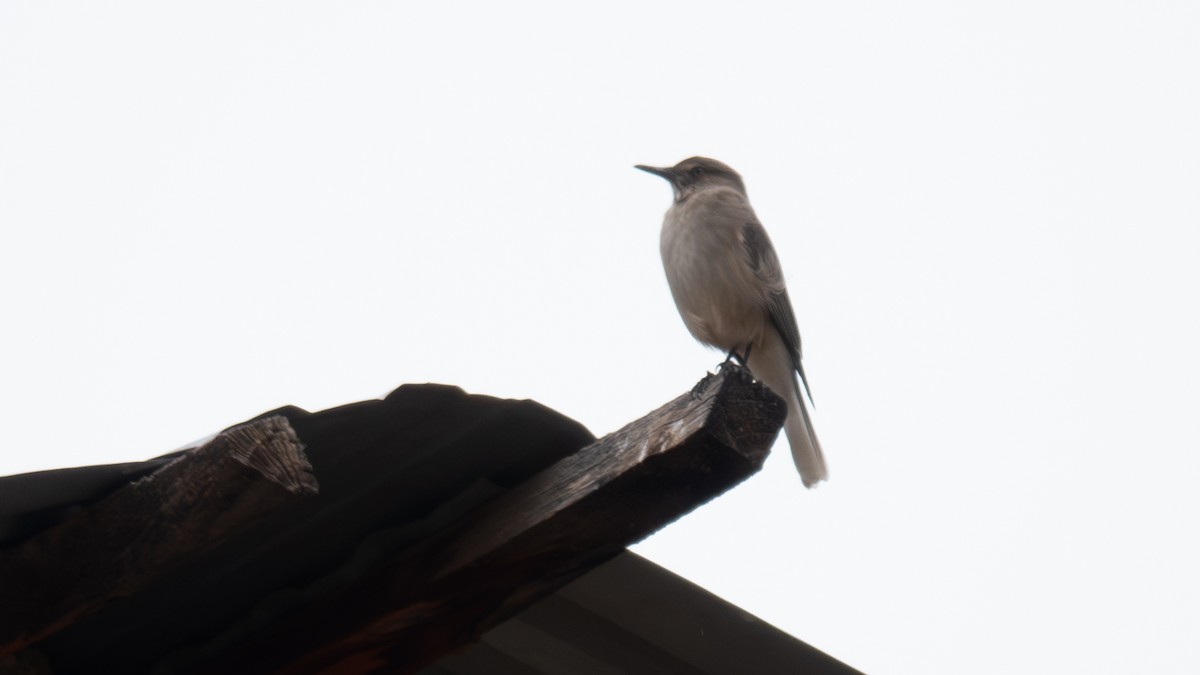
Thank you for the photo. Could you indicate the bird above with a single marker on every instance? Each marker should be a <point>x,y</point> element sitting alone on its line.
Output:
<point>728,285</point>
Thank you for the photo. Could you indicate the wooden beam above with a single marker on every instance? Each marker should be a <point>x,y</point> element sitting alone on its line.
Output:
<point>393,472</point>
<point>567,519</point>
<point>113,548</point>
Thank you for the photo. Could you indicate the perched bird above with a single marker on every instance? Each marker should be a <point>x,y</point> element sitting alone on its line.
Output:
<point>728,286</point>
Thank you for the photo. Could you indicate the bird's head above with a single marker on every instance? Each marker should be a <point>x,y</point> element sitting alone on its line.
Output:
<point>695,174</point>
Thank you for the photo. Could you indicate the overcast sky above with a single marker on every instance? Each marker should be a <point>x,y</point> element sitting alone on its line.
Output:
<point>988,214</point>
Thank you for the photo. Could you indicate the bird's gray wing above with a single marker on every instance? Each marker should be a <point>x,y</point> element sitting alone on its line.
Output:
<point>765,264</point>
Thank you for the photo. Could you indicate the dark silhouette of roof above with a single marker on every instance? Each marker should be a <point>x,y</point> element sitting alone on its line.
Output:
<point>388,534</point>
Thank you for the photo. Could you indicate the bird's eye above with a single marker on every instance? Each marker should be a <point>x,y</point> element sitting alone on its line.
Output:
<point>697,171</point>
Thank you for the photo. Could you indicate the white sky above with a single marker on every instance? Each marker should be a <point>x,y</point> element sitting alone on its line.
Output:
<point>989,215</point>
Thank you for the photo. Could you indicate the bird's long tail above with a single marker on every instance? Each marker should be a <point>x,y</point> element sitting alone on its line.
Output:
<point>772,365</point>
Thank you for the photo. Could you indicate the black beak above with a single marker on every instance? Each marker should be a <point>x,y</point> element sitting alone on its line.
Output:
<point>662,173</point>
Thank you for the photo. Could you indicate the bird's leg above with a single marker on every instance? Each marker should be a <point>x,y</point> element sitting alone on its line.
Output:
<point>742,359</point>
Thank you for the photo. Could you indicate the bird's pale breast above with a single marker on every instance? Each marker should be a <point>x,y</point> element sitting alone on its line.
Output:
<point>708,273</point>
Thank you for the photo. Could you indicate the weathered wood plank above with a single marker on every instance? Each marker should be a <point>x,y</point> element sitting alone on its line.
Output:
<point>393,472</point>
<point>542,534</point>
<point>111,549</point>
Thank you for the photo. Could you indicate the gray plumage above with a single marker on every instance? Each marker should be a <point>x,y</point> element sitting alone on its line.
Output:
<point>728,286</point>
